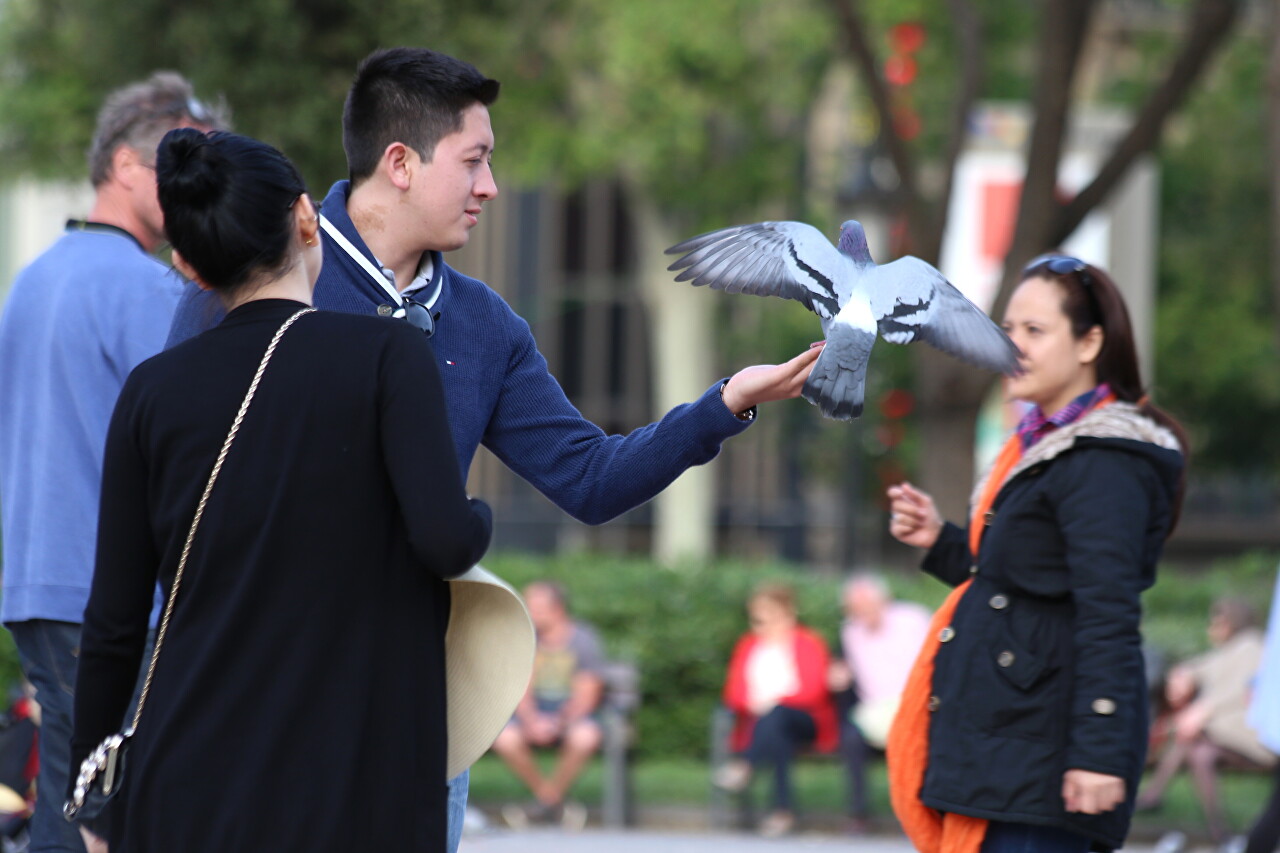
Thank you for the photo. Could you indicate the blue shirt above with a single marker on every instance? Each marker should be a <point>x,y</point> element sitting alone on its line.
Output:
<point>500,394</point>
<point>76,322</point>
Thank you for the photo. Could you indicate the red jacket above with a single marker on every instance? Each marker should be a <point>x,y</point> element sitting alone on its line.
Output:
<point>812,696</point>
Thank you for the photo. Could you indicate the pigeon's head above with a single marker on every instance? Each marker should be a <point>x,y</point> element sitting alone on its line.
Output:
<point>853,242</point>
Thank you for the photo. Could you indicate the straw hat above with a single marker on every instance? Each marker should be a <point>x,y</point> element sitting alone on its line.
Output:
<point>489,650</point>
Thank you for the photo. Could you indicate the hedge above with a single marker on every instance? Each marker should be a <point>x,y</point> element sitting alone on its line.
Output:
<point>678,625</point>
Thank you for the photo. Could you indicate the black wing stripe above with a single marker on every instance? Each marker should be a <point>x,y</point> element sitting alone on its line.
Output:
<point>827,301</point>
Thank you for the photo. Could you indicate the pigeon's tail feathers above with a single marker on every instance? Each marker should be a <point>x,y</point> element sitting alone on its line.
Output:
<point>837,383</point>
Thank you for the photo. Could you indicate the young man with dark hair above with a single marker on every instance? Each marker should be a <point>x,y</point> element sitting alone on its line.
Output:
<point>419,143</point>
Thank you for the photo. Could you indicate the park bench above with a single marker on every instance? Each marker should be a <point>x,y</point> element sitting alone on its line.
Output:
<point>617,723</point>
<point>736,810</point>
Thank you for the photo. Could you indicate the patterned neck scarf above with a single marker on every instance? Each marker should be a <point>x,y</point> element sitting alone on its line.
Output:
<point>1035,426</point>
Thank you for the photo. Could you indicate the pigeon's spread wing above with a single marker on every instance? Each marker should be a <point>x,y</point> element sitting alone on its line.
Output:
<point>787,259</point>
<point>912,301</point>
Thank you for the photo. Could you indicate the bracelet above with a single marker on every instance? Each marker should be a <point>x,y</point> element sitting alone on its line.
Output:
<point>746,417</point>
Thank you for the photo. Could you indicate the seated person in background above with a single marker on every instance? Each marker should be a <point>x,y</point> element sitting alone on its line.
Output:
<point>1209,697</point>
<point>777,689</point>
<point>880,639</point>
<point>558,709</point>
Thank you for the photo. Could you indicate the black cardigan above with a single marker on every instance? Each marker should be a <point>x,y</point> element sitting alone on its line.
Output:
<point>1042,668</point>
<point>299,699</point>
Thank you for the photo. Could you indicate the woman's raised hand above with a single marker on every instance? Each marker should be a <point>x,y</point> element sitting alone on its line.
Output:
<point>914,519</point>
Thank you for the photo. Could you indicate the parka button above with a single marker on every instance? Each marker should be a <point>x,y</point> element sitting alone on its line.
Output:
<point>973,570</point>
<point>1104,706</point>
<point>934,703</point>
<point>999,602</point>
<point>1005,658</point>
<point>385,310</point>
<point>947,634</point>
<point>988,517</point>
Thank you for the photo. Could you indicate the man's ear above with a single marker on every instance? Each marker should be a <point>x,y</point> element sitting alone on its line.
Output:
<point>180,263</point>
<point>125,162</point>
<point>398,161</point>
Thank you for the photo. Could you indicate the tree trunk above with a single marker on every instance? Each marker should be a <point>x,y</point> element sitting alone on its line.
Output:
<point>1061,39</point>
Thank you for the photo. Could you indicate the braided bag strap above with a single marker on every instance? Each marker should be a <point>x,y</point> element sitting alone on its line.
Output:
<point>204,499</point>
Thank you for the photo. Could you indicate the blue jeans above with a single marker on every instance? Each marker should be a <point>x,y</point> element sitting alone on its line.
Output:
<point>48,651</point>
<point>458,787</point>
<point>1027,838</point>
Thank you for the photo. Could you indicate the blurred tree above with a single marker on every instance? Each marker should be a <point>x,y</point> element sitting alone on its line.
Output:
<point>950,394</point>
<point>283,67</point>
<point>700,109</point>
<point>1216,335</point>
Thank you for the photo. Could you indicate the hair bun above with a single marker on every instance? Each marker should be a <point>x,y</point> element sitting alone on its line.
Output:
<point>188,168</point>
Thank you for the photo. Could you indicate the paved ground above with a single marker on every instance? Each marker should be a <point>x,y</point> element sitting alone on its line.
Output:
<point>640,841</point>
<point>591,841</point>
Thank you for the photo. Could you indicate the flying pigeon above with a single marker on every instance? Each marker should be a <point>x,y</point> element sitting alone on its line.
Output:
<point>903,301</point>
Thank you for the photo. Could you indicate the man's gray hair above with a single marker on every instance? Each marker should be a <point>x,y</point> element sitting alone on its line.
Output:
<point>874,580</point>
<point>141,113</point>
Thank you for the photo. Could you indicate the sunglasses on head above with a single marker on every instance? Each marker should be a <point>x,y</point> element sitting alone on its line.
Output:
<point>419,316</point>
<point>1061,265</point>
<point>1067,265</point>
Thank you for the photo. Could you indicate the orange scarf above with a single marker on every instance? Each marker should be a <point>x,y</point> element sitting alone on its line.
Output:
<point>907,750</point>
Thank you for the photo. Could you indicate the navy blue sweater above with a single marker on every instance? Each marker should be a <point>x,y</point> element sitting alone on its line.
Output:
<point>500,394</point>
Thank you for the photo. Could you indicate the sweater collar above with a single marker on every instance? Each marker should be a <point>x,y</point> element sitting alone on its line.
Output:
<point>334,208</point>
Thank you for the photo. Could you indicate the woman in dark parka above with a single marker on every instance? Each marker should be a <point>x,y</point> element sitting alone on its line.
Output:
<point>298,701</point>
<point>1037,718</point>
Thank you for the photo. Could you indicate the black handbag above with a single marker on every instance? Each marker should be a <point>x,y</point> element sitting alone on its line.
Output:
<point>102,773</point>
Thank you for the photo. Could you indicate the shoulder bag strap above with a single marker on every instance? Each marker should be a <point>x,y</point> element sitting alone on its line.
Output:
<point>204,499</point>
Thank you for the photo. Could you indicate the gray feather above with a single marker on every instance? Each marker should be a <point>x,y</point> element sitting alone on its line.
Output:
<point>837,383</point>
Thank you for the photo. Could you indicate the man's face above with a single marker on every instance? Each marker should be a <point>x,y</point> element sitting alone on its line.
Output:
<point>545,610</point>
<point>865,604</point>
<point>447,192</point>
<point>146,203</point>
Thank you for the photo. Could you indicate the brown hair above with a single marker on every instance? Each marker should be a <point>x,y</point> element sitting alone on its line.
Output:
<point>778,593</point>
<point>1090,298</point>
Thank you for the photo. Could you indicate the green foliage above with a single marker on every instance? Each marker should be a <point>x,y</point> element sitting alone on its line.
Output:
<point>678,626</point>
<point>1177,607</point>
<point>705,124</point>
<point>283,67</point>
<point>1218,364</point>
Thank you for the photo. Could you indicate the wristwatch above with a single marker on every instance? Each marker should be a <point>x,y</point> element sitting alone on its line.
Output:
<point>746,417</point>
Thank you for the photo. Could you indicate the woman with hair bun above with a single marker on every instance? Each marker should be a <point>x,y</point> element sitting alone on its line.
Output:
<point>298,702</point>
<point>1023,725</point>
